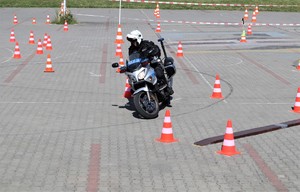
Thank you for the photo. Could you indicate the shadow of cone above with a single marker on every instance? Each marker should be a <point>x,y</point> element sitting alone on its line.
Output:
<point>217,92</point>
<point>167,132</point>
<point>127,92</point>
<point>296,107</point>
<point>228,146</point>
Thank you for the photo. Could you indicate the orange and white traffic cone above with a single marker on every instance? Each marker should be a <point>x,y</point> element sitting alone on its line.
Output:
<point>31,38</point>
<point>119,51</point>
<point>15,19</point>
<point>296,107</point>
<point>217,92</point>
<point>33,21</point>
<point>48,19</point>
<point>298,66</point>
<point>249,30</point>
<point>17,53</point>
<point>12,36</point>
<point>45,40</point>
<point>119,38</point>
<point>253,17</point>
<point>246,14</point>
<point>127,93</point>
<point>121,63</point>
<point>66,28</point>
<point>228,147</point>
<point>156,10</point>
<point>49,64</point>
<point>49,44</point>
<point>243,37</point>
<point>179,50</point>
<point>256,10</point>
<point>167,132</point>
<point>39,49</point>
<point>158,28</point>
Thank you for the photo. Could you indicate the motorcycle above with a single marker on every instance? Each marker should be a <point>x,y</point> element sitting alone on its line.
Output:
<point>148,92</point>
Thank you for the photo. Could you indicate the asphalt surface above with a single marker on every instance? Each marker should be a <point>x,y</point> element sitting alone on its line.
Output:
<point>72,130</point>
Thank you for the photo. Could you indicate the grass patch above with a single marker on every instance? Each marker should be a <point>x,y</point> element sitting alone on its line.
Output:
<point>109,4</point>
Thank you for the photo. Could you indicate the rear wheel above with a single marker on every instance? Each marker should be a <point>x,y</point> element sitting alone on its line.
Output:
<point>147,108</point>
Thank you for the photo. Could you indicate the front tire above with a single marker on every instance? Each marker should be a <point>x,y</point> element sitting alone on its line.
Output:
<point>148,110</point>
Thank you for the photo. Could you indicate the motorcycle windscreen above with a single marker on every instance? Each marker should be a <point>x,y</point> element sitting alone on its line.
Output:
<point>134,62</point>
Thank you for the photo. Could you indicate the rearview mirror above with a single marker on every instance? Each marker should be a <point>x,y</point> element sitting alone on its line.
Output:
<point>115,65</point>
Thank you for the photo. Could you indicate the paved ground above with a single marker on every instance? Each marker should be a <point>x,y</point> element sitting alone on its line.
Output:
<point>71,130</point>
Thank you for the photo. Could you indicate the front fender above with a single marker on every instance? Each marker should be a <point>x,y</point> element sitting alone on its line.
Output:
<point>146,89</point>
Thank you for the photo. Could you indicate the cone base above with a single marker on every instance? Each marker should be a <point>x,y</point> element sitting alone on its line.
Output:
<point>295,111</point>
<point>229,153</point>
<point>48,71</point>
<point>17,57</point>
<point>166,140</point>
<point>216,97</point>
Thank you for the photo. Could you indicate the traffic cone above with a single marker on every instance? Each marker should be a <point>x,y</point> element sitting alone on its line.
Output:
<point>119,51</point>
<point>167,132</point>
<point>253,17</point>
<point>298,67</point>
<point>66,26</point>
<point>49,65</point>
<point>12,36</point>
<point>296,107</point>
<point>217,92</point>
<point>17,54</point>
<point>48,19</point>
<point>39,49</point>
<point>33,21</point>
<point>249,30</point>
<point>15,19</point>
<point>127,93</point>
<point>256,10</point>
<point>45,40</point>
<point>156,9</point>
<point>179,50</point>
<point>243,37</point>
<point>31,38</point>
<point>119,38</point>
<point>158,28</point>
<point>228,147</point>
<point>246,14</point>
<point>49,44</point>
<point>121,63</point>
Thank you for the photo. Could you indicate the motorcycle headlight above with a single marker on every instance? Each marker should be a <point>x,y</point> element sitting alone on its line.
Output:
<point>141,75</point>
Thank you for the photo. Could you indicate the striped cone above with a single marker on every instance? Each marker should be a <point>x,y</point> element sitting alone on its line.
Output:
<point>45,40</point>
<point>296,107</point>
<point>243,37</point>
<point>119,38</point>
<point>39,49</point>
<point>31,38</point>
<point>15,19</point>
<point>246,14</point>
<point>33,21</point>
<point>256,10</point>
<point>12,36</point>
<point>253,17</point>
<point>158,28</point>
<point>66,28</point>
<point>298,67</point>
<point>119,51</point>
<point>217,92</point>
<point>127,93</point>
<point>48,19</point>
<point>49,64</point>
<point>156,10</point>
<point>49,44</point>
<point>17,53</point>
<point>121,63</point>
<point>249,30</point>
<point>179,50</point>
<point>167,132</point>
<point>228,147</point>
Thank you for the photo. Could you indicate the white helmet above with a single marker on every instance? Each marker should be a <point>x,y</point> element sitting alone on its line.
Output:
<point>135,34</point>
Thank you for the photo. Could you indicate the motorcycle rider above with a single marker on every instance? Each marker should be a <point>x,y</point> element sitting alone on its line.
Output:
<point>149,50</point>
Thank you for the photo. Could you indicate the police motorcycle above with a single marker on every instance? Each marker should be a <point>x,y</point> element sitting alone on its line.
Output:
<point>148,92</point>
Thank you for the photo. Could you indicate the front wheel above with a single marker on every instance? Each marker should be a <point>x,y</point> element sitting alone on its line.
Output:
<point>147,108</point>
